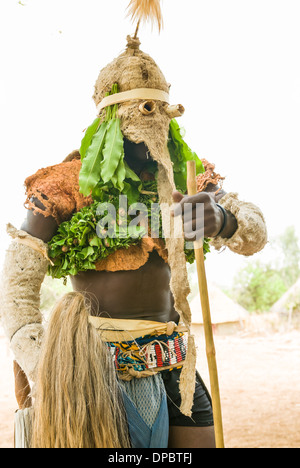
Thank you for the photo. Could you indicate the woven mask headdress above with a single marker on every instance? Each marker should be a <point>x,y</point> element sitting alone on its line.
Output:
<point>132,99</point>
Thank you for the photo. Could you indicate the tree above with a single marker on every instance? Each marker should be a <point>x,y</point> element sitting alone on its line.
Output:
<point>289,255</point>
<point>257,287</point>
<point>260,284</point>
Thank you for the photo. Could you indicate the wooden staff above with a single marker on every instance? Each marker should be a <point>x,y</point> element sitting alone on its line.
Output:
<point>210,348</point>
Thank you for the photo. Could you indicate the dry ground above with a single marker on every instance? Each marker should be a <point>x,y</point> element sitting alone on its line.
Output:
<point>260,389</point>
<point>259,374</point>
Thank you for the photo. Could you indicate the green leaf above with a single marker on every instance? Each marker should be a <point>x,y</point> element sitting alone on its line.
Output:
<point>90,171</point>
<point>132,193</point>
<point>119,176</point>
<point>130,174</point>
<point>86,252</point>
<point>61,242</point>
<point>95,242</point>
<point>87,139</point>
<point>113,151</point>
<point>65,265</point>
<point>180,153</point>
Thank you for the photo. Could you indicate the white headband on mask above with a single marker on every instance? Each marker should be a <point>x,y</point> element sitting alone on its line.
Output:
<point>138,93</point>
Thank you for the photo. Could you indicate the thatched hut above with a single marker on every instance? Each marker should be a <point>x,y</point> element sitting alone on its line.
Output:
<point>227,316</point>
<point>288,306</point>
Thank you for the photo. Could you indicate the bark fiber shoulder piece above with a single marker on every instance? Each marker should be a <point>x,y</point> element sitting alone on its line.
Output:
<point>251,235</point>
<point>23,273</point>
<point>57,188</point>
<point>208,177</point>
<point>134,257</point>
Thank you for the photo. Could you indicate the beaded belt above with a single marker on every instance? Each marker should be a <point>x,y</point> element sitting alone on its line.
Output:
<point>149,354</point>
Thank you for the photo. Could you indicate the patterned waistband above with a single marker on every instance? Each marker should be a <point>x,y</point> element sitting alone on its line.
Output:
<point>148,355</point>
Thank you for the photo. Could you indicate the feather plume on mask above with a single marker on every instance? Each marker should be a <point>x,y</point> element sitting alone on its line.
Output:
<point>144,10</point>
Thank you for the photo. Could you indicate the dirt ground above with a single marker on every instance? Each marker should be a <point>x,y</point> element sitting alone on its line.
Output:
<point>259,375</point>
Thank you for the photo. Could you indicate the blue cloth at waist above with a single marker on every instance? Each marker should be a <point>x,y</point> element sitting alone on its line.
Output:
<point>142,435</point>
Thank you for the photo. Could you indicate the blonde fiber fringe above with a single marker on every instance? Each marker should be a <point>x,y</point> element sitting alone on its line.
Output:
<point>78,402</point>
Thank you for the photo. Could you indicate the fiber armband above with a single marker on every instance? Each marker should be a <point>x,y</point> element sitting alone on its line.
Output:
<point>251,234</point>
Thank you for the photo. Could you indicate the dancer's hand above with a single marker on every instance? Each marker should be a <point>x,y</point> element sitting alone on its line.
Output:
<point>214,222</point>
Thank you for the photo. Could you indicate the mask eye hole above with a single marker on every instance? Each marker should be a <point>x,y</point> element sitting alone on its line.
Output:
<point>147,107</point>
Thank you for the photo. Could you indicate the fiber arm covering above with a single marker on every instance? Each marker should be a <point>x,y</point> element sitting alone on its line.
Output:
<point>24,270</point>
<point>251,235</point>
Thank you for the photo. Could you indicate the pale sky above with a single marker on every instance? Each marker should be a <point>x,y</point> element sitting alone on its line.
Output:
<point>233,64</point>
